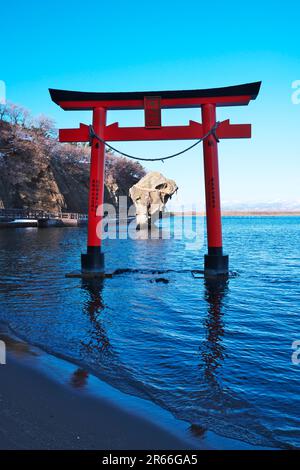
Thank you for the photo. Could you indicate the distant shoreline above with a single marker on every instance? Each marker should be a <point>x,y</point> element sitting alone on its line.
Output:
<point>34,223</point>
<point>241,213</point>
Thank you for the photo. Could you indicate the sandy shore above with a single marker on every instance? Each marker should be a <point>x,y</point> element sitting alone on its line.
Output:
<point>46,403</point>
<point>37,413</point>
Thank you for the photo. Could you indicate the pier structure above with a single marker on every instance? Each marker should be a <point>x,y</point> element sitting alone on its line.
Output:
<point>153,102</point>
<point>40,218</point>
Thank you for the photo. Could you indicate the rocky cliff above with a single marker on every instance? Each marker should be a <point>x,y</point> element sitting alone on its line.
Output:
<point>37,172</point>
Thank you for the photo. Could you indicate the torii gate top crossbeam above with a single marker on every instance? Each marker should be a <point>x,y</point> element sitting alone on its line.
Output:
<point>226,96</point>
<point>153,102</point>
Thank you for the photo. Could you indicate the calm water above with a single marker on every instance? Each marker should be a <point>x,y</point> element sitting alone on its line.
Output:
<point>215,355</point>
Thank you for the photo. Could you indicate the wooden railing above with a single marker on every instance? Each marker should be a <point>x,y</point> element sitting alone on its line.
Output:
<point>39,214</point>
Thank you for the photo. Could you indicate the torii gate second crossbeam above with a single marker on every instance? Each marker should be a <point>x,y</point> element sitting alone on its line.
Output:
<point>216,263</point>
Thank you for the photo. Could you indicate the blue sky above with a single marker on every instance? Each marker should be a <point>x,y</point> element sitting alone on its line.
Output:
<point>120,46</point>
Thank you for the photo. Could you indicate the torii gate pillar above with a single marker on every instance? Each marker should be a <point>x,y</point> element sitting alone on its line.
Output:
<point>93,259</point>
<point>214,262</point>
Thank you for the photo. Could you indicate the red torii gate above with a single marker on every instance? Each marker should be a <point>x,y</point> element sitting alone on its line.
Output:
<point>153,102</point>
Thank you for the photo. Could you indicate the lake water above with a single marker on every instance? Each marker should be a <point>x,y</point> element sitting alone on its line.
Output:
<point>217,355</point>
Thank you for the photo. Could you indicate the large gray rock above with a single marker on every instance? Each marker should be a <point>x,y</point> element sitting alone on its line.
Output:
<point>150,196</point>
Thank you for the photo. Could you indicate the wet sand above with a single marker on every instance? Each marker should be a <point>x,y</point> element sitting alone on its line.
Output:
<point>47,402</point>
<point>38,411</point>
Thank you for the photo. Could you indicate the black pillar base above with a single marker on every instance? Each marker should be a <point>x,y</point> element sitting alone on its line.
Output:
<point>93,260</point>
<point>215,263</point>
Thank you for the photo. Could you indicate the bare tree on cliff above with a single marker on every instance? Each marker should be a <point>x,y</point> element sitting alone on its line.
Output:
<point>3,111</point>
<point>18,115</point>
<point>45,126</point>
<point>125,172</point>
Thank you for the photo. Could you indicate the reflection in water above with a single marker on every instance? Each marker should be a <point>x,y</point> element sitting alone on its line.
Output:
<point>213,352</point>
<point>79,378</point>
<point>197,431</point>
<point>153,233</point>
<point>93,307</point>
<point>17,347</point>
<point>212,349</point>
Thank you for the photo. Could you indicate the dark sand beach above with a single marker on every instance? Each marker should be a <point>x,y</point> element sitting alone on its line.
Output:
<point>52,409</point>
<point>49,403</point>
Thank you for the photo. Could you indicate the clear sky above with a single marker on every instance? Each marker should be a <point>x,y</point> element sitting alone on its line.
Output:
<point>134,45</point>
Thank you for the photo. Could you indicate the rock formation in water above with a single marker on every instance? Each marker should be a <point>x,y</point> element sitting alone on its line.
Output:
<point>37,172</point>
<point>150,196</point>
